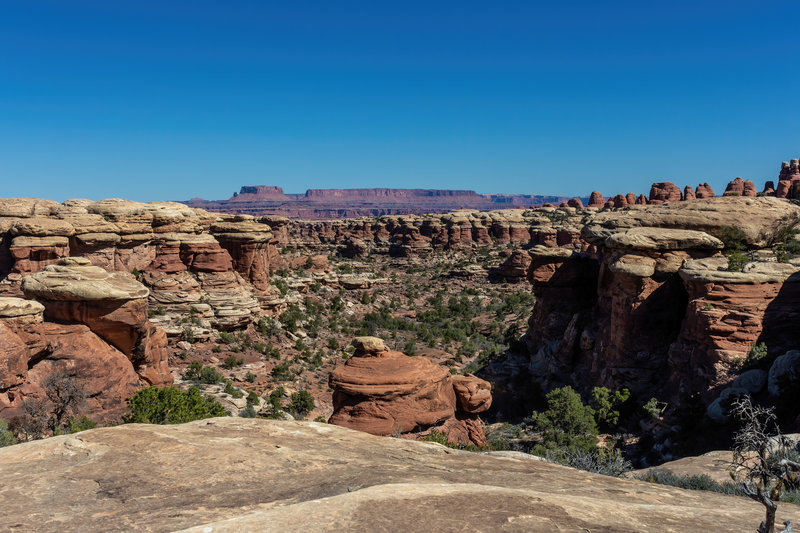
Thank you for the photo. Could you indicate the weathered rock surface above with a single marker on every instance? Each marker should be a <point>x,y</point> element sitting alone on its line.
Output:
<point>32,350</point>
<point>664,192</point>
<point>222,261</point>
<point>384,392</point>
<point>654,308</point>
<point>233,474</point>
<point>759,218</point>
<point>112,304</point>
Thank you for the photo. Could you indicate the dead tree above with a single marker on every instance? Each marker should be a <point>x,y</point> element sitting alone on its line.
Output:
<point>763,459</point>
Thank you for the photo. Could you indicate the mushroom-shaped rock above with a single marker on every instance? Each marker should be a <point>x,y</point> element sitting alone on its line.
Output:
<point>575,202</point>
<point>384,392</point>
<point>663,239</point>
<point>113,305</point>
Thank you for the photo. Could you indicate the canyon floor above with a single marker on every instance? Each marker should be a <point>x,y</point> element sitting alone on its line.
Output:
<point>233,474</point>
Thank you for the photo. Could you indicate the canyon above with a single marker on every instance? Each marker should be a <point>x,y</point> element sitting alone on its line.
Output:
<point>431,326</point>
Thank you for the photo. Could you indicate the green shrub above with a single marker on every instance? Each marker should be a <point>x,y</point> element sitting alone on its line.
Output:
<point>250,377</point>
<point>226,338</point>
<point>301,403</point>
<point>567,422</point>
<point>188,334</point>
<point>232,361</point>
<point>736,261</point>
<point>170,405</point>
<point>75,425</point>
<point>7,438</point>
<point>233,391</point>
<point>291,318</point>
<point>605,402</point>
<point>204,374</point>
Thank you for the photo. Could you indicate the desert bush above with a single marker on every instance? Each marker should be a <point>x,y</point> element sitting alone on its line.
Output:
<point>204,374</point>
<point>566,424</point>
<point>170,405</point>
<point>232,362</point>
<point>301,403</point>
<point>605,403</point>
<point>7,437</point>
<point>691,482</point>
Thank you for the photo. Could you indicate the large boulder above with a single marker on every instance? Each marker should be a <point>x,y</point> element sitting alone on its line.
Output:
<point>664,192</point>
<point>384,392</point>
<point>784,374</point>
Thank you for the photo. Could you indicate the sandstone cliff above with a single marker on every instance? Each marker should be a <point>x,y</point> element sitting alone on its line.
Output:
<point>654,307</point>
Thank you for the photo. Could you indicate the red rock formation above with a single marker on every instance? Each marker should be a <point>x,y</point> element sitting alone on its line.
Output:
<point>620,201</point>
<point>641,200</point>
<point>704,191</point>
<point>112,305</point>
<point>769,188</point>
<point>654,309</point>
<point>738,187</point>
<point>32,350</point>
<point>688,193</point>
<point>596,200</point>
<point>384,392</point>
<point>515,268</point>
<point>631,198</point>
<point>575,202</point>
<point>664,192</point>
<point>788,179</point>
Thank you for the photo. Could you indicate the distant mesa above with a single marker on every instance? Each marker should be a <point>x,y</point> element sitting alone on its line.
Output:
<point>348,203</point>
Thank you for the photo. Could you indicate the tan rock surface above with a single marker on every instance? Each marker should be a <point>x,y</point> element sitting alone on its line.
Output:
<point>233,474</point>
<point>759,218</point>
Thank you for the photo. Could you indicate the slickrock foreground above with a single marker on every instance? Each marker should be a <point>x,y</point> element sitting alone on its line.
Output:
<point>229,474</point>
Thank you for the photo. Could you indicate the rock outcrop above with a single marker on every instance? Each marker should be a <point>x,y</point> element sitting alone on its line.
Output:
<point>211,475</point>
<point>664,192</point>
<point>738,187</point>
<point>33,352</point>
<point>596,199</point>
<point>384,392</point>
<point>412,235</point>
<point>704,190</point>
<point>112,305</point>
<point>654,307</point>
<point>215,266</point>
<point>788,179</point>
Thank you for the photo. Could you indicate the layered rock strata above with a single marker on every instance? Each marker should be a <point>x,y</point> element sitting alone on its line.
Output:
<point>87,329</point>
<point>384,392</point>
<point>214,266</point>
<point>654,308</point>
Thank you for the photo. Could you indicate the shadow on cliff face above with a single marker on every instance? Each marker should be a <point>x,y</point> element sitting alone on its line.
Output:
<point>6,261</point>
<point>780,331</point>
<point>550,349</point>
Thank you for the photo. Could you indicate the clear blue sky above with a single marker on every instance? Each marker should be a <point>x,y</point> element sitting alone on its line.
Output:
<point>169,100</point>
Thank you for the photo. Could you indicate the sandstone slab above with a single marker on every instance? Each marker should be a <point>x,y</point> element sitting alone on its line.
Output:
<point>233,474</point>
